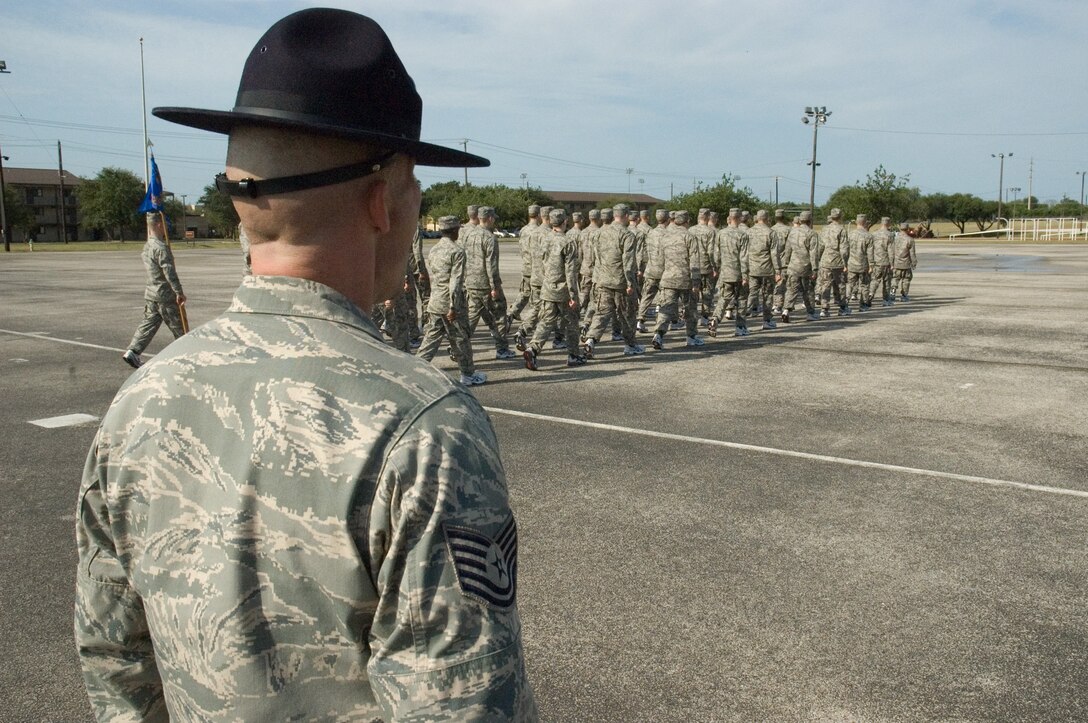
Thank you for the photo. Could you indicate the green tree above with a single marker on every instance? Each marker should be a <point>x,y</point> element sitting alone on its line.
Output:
<point>964,208</point>
<point>111,201</point>
<point>219,211</point>
<point>1065,208</point>
<point>18,214</point>
<point>720,197</point>
<point>882,194</point>
<point>452,199</point>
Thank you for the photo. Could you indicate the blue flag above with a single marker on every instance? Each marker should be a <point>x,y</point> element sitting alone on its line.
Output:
<point>153,199</point>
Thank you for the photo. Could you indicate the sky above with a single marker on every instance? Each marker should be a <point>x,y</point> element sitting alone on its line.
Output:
<point>567,95</point>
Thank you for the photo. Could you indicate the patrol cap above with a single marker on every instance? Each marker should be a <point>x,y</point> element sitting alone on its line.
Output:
<point>534,211</point>
<point>557,216</point>
<point>779,213</point>
<point>620,209</point>
<point>836,213</point>
<point>861,218</point>
<point>545,210</point>
<point>712,216</point>
<point>577,216</point>
<point>744,215</point>
<point>672,215</point>
<point>448,223</point>
<point>805,216</point>
<point>761,214</point>
<point>661,214</point>
<point>885,220</point>
<point>606,214</point>
<point>682,216</point>
<point>644,213</point>
<point>594,214</point>
<point>486,212</point>
<point>473,211</point>
<point>734,213</point>
<point>703,212</point>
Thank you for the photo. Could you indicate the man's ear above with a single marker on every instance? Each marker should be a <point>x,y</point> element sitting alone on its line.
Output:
<point>378,204</point>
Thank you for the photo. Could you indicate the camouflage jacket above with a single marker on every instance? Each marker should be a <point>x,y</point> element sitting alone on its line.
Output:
<point>417,264</point>
<point>588,249</point>
<point>538,243</point>
<point>680,258</point>
<point>706,236</point>
<point>654,261</point>
<point>615,266</point>
<point>861,250</point>
<point>764,258</point>
<point>883,246</point>
<point>903,256</point>
<point>482,260</point>
<point>560,268</point>
<point>833,249</point>
<point>162,278</point>
<point>800,256</point>
<point>730,254</point>
<point>524,239</point>
<point>447,264</point>
<point>283,518</point>
<point>783,231</point>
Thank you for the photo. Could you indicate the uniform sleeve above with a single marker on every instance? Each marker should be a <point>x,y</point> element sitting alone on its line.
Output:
<point>111,631</point>
<point>630,261</point>
<point>457,277</point>
<point>913,255</point>
<point>446,638</point>
<point>491,261</point>
<point>571,270</point>
<point>166,263</point>
<point>743,253</point>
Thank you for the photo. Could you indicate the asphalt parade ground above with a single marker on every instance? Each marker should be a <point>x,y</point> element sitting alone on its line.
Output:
<point>881,517</point>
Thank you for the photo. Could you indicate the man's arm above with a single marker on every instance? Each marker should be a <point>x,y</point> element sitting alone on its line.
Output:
<point>111,631</point>
<point>165,260</point>
<point>446,638</point>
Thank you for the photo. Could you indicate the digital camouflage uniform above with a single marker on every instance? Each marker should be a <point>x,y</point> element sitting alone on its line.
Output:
<point>730,253</point>
<point>419,286</point>
<point>283,518</point>
<point>538,240</point>
<point>160,295</point>
<point>881,276</point>
<point>707,238</point>
<point>681,260</point>
<point>525,291</point>
<point>764,263</point>
<point>799,260</point>
<point>831,255</point>
<point>614,272</point>
<point>651,280</point>
<point>483,286</point>
<point>588,253</point>
<point>782,229</point>
<point>904,261</point>
<point>558,288</point>
<point>446,263</point>
<point>858,265</point>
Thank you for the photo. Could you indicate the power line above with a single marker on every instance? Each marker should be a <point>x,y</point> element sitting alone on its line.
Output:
<point>940,133</point>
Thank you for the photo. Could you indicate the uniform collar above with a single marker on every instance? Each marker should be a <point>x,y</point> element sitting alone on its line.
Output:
<point>290,296</point>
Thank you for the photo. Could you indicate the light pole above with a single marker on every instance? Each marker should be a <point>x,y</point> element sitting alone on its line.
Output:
<point>1015,191</point>
<point>1081,174</point>
<point>629,172</point>
<point>817,116</point>
<point>525,177</point>
<point>1000,179</point>
<point>3,205</point>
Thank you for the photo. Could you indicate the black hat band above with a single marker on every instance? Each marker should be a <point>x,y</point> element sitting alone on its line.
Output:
<point>252,188</point>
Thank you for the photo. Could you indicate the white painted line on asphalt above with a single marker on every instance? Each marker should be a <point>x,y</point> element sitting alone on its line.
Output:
<point>790,453</point>
<point>41,335</point>
<point>66,420</point>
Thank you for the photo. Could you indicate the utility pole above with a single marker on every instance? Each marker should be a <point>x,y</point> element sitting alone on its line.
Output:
<point>63,220</point>
<point>525,177</point>
<point>465,144</point>
<point>3,208</point>
<point>1081,174</point>
<point>776,190</point>
<point>1000,180</point>
<point>629,171</point>
<point>1031,173</point>
<point>817,116</point>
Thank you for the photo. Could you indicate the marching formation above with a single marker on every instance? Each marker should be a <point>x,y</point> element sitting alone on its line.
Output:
<point>608,273</point>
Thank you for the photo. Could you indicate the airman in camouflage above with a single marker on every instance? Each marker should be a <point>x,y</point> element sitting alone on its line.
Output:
<point>281,517</point>
<point>831,257</point>
<point>800,260</point>
<point>859,264</point>
<point>681,260</point>
<point>654,268</point>
<point>706,237</point>
<point>538,238</point>
<point>486,299</point>
<point>782,229</point>
<point>764,268</point>
<point>881,276</point>
<point>614,283</point>
<point>558,293</point>
<point>904,261</point>
<point>587,250</point>
<point>524,238</point>
<point>730,252</point>
<point>162,295</point>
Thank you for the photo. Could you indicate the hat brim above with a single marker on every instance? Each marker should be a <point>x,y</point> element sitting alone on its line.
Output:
<point>218,121</point>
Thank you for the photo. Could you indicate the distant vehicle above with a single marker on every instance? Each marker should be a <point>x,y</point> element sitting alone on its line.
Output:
<point>431,234</point>
<point>512,232</point>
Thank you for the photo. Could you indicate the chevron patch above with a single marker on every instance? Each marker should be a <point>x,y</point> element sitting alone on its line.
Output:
<point>486,568</point>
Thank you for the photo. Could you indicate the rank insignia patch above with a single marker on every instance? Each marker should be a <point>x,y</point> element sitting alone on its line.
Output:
<point>486,569</point>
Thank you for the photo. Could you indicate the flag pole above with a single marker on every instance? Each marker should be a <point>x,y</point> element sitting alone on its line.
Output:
<point>143,98</point>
